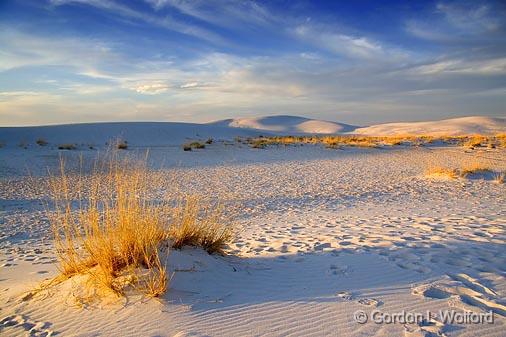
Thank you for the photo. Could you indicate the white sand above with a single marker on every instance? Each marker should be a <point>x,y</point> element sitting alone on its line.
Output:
<point>323,233</point>
<point>449,127</point>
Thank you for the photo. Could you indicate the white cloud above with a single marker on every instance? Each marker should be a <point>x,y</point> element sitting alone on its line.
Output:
<point>189,85</point>
<point>22,49</point>
<point>474,19</point>
<point>457,22</point>
<point>226,13</point>
<point>459,66</point>
<point>166,21</point>
<point>352,47</point>
<point>152,88</point>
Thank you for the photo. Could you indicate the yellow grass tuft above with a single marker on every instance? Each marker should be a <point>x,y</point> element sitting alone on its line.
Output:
<point>199,224</point>
<point>107,227</point>
<point>111,231</point>
<point>474,168</point>
<point>442,172</point>
<point>500,177</point>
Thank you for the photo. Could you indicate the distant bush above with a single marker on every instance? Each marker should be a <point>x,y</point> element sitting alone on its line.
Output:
<point>67,147</point>
<point>122,145</point>
<point>500,177</point>
<point>41,142</point>
<point>442,172</point>
<point>193,145</point>
<point>209,141</point>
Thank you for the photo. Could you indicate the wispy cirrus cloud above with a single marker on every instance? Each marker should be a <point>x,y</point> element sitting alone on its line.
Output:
<point>352,47</point>
<point>227,13</point>
<point>462,22</point>
<point>166,21</point>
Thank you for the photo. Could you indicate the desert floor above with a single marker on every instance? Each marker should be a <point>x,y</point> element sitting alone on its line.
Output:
<point>322,233</point>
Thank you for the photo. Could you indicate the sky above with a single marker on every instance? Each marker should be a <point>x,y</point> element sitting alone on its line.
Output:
<point>358,62</point>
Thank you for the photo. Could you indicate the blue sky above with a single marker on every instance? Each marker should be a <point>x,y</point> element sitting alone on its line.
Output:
<point>360,62</point>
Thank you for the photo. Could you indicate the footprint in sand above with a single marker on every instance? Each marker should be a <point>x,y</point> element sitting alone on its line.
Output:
<point>430,328</point>
<point>371,302</point>
<point>344,295</point>
<point>340,270</point>
<point>461,291</point>
<point>22,323</point>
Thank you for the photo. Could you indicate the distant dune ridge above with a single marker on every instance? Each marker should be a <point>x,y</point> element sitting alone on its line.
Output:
<point>288,125</point>
<point>450,127</point>
<point>172,133</point>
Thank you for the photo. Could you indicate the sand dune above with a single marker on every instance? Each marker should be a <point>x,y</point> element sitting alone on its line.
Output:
<point>450,127</point>
<point>171,133</point>
<point>288,125</point>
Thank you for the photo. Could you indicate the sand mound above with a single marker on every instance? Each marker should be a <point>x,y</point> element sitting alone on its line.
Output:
<point>288,125</point>
<point>449,127</point>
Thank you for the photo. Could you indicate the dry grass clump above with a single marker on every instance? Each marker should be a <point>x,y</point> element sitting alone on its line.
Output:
<point>198,224</point>
<point>113,230</point>
<point>473,169</point>
<point>499,177</point>
<point>41,142</point>
<point>501,140</point>
<point>107,227</point>
<point>67,147</point>
<point>475,141</point>
<point>122,144</point>
<point>442,172</point>
<point>193,145</point>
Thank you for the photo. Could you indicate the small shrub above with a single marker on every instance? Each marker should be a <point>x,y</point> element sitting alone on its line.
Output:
<point>41,142</point>
<point>197,145</point>
<point>116,233</point>
<point>500,177</point>
<point>442,172</point>
<point>201,225</point>
<point>258,143</point>
<point>501,140</point>
<point>67,147</point>
<point>193,145</point>
<point>122,145</point>
<point>209,141</point>
<point>473,169</point>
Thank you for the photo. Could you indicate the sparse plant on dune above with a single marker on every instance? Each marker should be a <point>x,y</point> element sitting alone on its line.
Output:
<point>500,177</point>
<point>501,140</point>
<point>23,144</point>
<point>198,223</point>
<point>41,142</point>
<point>193,145</point>
<point>67,147</point>
<point>442,172</point>
<point>122,144</point>
<point>113,229</point>
<point>474,168</point>
<point>475,141</point>
<point>107,227</point>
